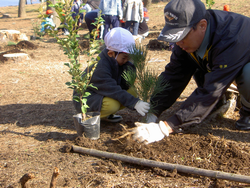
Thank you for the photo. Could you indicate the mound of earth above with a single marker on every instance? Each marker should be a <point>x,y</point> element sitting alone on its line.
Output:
<point>26,45</point>
<point>153,34</point>
<point>22,45</point>
<point>157,45</point>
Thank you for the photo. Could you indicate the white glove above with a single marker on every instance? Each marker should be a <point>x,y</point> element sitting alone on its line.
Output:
<point>150,132</point>
<point>151,118</point>
<point>142,107</point>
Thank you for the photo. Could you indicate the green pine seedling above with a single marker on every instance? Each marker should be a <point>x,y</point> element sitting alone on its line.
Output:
<point>145,80</point>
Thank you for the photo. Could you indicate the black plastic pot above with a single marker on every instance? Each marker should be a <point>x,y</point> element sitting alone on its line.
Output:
<point>90,127</point>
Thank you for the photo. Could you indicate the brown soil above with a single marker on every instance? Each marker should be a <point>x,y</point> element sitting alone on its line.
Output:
<point>37,129</point>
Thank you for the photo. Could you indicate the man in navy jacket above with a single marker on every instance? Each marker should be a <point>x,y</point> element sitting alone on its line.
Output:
<point>213,44</point>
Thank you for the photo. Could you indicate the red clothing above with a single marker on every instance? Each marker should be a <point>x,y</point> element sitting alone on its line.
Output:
<point>145,10</point>
<point>146,14</point>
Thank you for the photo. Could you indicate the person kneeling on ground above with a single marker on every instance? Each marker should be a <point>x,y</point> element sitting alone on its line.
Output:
<point>90,18</point>
<point>91,5</point>
<point>211,45</point>
<point>48,22</point>
<point>113,92</point>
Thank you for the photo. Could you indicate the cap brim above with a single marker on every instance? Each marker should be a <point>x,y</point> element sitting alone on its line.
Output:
<point>170,34</point>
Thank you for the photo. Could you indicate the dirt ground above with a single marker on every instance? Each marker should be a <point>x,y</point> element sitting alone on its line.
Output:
<point>37,129</point>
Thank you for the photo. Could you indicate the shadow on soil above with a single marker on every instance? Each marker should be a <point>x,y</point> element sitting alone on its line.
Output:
<point>59,115</point>
<point>25,115</point>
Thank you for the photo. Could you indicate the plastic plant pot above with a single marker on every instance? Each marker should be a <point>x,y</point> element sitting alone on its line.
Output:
<point>90,127</point>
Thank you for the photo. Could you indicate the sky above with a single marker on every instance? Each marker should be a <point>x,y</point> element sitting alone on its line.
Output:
<point>4,3</point>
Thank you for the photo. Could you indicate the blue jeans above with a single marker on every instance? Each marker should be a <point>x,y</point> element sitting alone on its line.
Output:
<point>135,27</point>
<point>109,19</point>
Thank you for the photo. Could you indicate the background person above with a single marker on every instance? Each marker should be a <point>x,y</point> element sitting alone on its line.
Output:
<point>143,29</point>
<point>48,21</point>
<point>91,5</point>
<point>112,10</point>
<point>145,13</point>
<point>133,15</point>
<point>214,47</point>
<point>76,9</point>
<point>113,92</point>
<point>64,30</point>
<point>90,18</point>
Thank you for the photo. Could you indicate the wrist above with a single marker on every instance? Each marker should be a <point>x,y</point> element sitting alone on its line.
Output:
<point>166,129</point>
<point>151,118</point>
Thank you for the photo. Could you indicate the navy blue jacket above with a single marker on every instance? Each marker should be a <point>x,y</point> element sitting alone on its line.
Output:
<point>107,77</point>
<point>227,53</point>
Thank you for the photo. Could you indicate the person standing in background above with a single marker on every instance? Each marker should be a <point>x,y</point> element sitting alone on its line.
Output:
<point>133,14</point>
<point>75,9</point>
<point>112,10</point>
<point>145,12</point>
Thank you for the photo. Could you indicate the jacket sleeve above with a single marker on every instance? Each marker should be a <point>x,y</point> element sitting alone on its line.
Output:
<point>176,76</point>
<point>141,13</point>
<point>119,9</point>
<point>125,9</point>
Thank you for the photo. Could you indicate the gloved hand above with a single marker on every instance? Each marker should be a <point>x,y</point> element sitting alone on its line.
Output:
<point>150,132</point>
<point>151,118</point>
<point>142,107</point>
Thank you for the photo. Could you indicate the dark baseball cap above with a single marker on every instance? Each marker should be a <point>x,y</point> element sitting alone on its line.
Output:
<point>180,17</point>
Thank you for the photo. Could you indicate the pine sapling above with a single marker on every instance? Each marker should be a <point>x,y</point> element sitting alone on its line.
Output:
<point>145,80</point>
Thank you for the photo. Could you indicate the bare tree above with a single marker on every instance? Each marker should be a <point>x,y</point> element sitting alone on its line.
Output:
<point>21,8</point>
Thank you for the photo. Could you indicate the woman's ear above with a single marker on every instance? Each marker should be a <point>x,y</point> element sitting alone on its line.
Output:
<point>111,53</point>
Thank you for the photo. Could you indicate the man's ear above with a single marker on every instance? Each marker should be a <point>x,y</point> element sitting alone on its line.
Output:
<point>203,24</point>
<point>111,53</point>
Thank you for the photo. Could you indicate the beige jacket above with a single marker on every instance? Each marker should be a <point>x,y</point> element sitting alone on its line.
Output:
<point>133,10</point>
